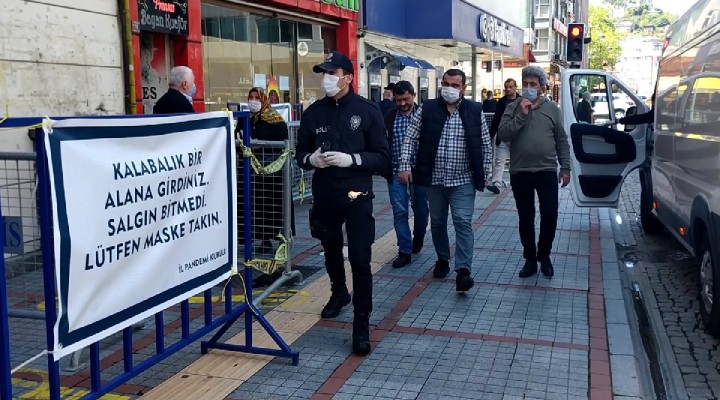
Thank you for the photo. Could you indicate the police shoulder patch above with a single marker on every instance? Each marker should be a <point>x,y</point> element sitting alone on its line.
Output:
<point>355,122</point>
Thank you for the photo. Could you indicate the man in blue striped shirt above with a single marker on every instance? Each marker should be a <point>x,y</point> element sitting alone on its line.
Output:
<point>397,122</point>
<point>450,142</point>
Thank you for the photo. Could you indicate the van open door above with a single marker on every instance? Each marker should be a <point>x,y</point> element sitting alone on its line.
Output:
<point>603,151</point>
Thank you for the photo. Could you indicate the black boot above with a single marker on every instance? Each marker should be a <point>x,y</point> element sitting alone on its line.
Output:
<point>402,260</point>
<point>338,299</point>
<point>361,334</point>
<point>529,269</point>
<point>417,243</point>
<point>442,269</point>
<point>546,267</point>
<point>463,280</point>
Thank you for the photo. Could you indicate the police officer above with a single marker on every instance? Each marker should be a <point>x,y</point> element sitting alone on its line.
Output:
<point>342,137</point>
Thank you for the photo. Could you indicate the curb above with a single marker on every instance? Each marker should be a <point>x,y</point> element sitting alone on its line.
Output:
<point>627,357</point>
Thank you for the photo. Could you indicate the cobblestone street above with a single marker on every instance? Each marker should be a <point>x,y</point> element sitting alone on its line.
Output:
<point>665,269</point>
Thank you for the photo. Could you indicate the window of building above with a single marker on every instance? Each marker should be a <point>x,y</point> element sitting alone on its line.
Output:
<point>542,37</point>
<point>305,31</point>
<point>542,9</point>
<point>243,50</point>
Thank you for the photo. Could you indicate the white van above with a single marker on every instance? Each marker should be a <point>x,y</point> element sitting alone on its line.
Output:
<point>679,161</point>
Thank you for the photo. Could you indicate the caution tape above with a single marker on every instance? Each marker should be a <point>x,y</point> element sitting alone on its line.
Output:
<point>301,185</point>
<point>269,267</point>
<point>271,168</point>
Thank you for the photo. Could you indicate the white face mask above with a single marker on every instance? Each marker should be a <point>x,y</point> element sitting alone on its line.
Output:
<point>330,85</point>
<point>254,105</point>
<point>450,94</point>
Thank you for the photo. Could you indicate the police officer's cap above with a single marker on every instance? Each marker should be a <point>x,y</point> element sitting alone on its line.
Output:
<point>334,61</point>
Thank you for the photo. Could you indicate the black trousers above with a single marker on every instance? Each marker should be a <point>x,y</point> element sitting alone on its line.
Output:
<point>524,187</point>
<point>357,215</point>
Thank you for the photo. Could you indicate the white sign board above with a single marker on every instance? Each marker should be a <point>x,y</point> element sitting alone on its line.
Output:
<point>144,213</point>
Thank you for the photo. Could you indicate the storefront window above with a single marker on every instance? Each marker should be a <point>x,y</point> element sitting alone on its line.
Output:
<point>312,49</point>
<point>242,50</point>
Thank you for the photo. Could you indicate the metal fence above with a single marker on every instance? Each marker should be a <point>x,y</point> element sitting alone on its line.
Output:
<point>18,196</point>
<point>27,280</point>
<point>272,211</point>
<point>301,192</point>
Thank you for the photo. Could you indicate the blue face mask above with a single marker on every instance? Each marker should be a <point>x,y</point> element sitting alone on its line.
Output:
<point>529,93</point>
<point>193,91</point>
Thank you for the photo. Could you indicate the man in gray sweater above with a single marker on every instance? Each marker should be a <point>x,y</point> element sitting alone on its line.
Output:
<point>533,126</point>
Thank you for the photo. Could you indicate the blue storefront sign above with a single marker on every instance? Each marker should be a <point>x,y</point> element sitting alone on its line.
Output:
<point>443,19</point>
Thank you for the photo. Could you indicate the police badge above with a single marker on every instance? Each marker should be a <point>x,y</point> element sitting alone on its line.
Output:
<point>355,122</point>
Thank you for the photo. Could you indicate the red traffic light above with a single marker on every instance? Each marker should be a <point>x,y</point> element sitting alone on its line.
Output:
<point>576,31</point>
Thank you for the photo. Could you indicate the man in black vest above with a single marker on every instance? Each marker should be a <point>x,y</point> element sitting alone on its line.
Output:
<point>451,144</point>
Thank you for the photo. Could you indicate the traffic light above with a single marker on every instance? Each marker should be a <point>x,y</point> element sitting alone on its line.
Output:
<point>576,42</point>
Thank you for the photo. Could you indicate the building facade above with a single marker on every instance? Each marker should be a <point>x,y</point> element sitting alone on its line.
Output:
<point>638,62</point>
<point>233,46</point>
<point>551,19</point>
<point>418,40</point>
<point>72,65</point>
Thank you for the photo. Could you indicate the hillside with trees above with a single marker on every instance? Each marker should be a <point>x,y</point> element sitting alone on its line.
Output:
<point>617,19</point>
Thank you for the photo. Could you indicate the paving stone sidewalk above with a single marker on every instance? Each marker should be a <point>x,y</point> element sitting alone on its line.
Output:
<point>507,338</point>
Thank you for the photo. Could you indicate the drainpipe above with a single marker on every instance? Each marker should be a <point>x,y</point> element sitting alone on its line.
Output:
<point>128,60</point>
<point>474,72</point>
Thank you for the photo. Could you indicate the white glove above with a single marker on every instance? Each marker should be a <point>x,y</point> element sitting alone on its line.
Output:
<point>318,159</point>
<point>338,159</point>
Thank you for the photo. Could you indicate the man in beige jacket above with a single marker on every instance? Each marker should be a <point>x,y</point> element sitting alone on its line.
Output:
<point>533,127</point>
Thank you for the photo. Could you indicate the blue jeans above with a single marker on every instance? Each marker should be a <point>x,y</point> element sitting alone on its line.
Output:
<point>399,199</point>
<point>461,201</point>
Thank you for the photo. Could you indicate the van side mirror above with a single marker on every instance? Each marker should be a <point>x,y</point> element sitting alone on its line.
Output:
<point>630,111</point>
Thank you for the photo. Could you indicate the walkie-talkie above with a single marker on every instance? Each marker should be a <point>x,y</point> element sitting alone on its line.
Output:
<point>325,146</point>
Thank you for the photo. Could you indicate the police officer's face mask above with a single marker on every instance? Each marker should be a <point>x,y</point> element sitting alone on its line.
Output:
<point>330,84</point>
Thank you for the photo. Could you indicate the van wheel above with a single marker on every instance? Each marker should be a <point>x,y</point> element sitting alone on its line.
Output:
<point>709,282</point>
<point>649,221</point>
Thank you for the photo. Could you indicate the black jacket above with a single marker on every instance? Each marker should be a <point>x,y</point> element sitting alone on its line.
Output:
<point>351,125</point>
<point>499,111</point>
<point>638,119</point>
<point>434,116</point>
<point>584,111</point>
<point>386,105</point>
<point>489,105</point>
<point>173,102</point>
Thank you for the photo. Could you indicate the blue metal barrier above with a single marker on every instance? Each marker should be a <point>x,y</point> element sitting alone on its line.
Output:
<point>130,369</point>
<point>5,378</point>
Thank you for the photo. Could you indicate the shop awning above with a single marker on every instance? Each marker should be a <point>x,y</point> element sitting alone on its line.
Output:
<point>460,20</point>
<point>424,64</point>
<point>404,59</point>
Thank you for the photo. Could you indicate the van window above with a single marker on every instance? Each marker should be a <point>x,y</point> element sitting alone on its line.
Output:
<point>594,110</point>
<point>669,109</point>
<point>621,101</point>
<point>702,110</point>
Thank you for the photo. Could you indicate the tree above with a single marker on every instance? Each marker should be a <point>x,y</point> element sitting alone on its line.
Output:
<point>658,20</point>
<point>604,49</point>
